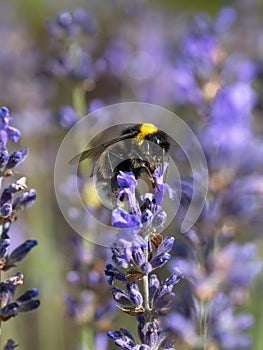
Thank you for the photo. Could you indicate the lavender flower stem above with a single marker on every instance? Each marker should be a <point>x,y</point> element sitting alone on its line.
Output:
<point>78,100</point>
<point>145,293</point>
<point>145,283</point>
<point>205,323</point>
<point>87,337</point>
<point>141,247</point>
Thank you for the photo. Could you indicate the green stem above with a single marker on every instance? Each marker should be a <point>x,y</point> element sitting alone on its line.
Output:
<point>145,288</point>
<point>87,338</point>
<point>79,100</point>
<point>200,318</point>
<point>205,323</point>
<point>145,283</point>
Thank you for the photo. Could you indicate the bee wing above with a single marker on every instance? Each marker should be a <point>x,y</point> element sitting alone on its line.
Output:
<point>96,151</point>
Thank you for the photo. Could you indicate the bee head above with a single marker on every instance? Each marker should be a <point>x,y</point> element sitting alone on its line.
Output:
<point>160,139</point>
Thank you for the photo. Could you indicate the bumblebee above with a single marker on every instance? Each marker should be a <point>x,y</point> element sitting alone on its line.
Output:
<point>137,156</point>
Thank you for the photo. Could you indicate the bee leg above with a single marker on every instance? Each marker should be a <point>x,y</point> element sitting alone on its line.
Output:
<point>114,185</point>
<point>155,185</point>
<point>111,168</point>
<point>149,170</point>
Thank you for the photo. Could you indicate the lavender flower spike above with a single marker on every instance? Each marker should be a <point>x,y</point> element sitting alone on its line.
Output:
<point>13,199</point>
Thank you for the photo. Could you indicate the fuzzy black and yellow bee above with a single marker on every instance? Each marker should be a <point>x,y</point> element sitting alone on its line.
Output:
<point>137,156</point>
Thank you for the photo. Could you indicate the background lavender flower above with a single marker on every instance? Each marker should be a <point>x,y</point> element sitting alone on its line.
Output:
<point>230,126</point>
<point>89,303</point>
<point>10,345</point>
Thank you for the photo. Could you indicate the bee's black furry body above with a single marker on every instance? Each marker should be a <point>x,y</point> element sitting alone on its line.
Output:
<point>136,155</point>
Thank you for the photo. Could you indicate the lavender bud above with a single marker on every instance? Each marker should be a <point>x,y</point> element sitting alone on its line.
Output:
<point>126,180</point>
<point>125,343</point>
<point>6,196</point>
<point>3,158</point>
<point>154,284</point>
<point>21,251</point>
<point>121,297</point>
<point>6,210</point>
<point>134,293</point>
<point>67,117</point>
<point>173,279</point>
<point>146,218</point>
<point>112,272</point>
<point>8,311</point>
<point>6,293</point>
<point>166,245</point>
<point>159,219</point>
<point>17,157</point>
<point>122,219</point>
<point>138,256</point>
<point>146,267</point>
<point>3,139</point>
<point>13,133</point>
<point>163,296</point>
<point>164,299</point>
<point>141,327</point>
<point>64,20</point>
<point>123,338</point>
<point>4,116</point>
<point>243,321</point>
<point>10,345</point>
<point>152,335</point>
<point>79,15</point>
<point>28,295</point>
<point>29,306</point>
<point>160,260</point>
<point>4,244</point>
<point>120,257</point>
<point>25,200</point>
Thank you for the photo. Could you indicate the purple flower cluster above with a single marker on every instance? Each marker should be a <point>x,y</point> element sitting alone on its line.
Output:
<point>130,58</point>
<point>25,302</point>
<point>7,131</point>
<point>229,127</point>
<point>150,213</point>
<point>150,336</point>
<point>213,294</point>
<point>88,303</point>
<point>138,251</point>
<point>13,200</point>
<point>218,271</point>
<point>191,66</point>
<point>72,43</point>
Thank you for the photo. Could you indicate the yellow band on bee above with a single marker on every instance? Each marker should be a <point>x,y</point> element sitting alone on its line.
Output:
<point>146,129</point>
